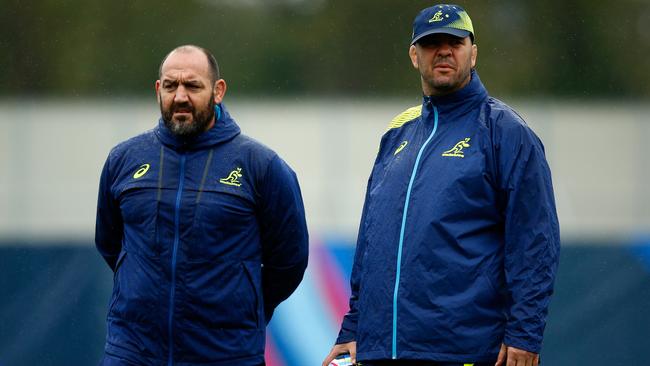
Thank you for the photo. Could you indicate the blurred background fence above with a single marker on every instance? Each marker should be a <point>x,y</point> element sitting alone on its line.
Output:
<point>317,81</point>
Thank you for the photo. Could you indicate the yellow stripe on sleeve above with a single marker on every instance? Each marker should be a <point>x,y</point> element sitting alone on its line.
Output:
<point>404,117</point>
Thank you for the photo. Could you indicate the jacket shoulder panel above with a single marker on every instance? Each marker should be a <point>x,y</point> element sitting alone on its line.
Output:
<point>407,116</point>
<point>260,160</point>
<point>142,145</point>
<point>254,147</point>
<point>505,118</point>
<point>257,155</point>
<point>136,142</point>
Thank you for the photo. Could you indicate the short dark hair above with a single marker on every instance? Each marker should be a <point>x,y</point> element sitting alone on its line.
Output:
<point>213,66</point>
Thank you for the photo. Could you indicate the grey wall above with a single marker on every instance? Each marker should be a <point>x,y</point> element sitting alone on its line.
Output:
<point>51,154</point>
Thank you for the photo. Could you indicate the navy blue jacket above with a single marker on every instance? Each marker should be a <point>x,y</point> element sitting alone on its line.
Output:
<point>459,239</point>
<point>205,237</point>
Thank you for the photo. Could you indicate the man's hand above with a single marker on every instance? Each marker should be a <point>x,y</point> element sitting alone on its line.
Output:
<point>516,357</point>
<point>340,349</point>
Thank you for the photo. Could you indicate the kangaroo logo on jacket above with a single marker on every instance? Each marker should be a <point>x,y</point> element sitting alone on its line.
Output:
<point>233,178</point>
<point>457,150</point>
<point>142,170</point>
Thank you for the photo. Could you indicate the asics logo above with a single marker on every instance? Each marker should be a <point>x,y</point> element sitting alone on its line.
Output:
<point>401,147</point>
<point>144,168</point>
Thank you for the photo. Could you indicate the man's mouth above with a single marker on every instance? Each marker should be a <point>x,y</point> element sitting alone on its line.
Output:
<point>443,66</point>
<point>183,110</point>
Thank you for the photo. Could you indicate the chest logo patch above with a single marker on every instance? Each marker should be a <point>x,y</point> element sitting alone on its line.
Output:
<point>144,168</point>
<point>457,151</point>
<point>233,178</point>
<point>401,147</point>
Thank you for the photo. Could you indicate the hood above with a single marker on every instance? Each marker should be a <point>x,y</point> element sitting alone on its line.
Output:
<point>224,129</point>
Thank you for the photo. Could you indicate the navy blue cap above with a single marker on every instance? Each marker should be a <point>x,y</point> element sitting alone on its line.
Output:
<point>443,18</point>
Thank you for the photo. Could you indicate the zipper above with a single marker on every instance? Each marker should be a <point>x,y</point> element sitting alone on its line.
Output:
<point>174,251</point>
<point>401,233</point>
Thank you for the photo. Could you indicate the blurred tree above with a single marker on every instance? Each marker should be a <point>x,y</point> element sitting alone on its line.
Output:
<point>578,49</point>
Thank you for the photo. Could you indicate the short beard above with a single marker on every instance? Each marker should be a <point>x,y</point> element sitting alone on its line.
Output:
<point>441,88</point>
<point>187,130</point>
<point>446,87</point>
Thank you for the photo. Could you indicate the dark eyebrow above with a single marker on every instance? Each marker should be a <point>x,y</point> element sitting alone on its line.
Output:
<point>193,82</point>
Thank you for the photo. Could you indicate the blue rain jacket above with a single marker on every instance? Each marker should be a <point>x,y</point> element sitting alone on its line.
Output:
<point>205,238</point>
<point>459,239</point>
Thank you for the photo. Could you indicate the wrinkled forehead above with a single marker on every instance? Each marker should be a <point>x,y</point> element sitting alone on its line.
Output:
<point>186,63</point>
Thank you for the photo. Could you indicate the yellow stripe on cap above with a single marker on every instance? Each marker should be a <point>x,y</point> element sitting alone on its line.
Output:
<point>463,23</point>
<point>404,117</point>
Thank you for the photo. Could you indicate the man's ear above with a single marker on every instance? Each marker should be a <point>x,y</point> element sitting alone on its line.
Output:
<point>474,55</point>
<point>219,90</point>
<point>413,54</point>
<point>157,88</point>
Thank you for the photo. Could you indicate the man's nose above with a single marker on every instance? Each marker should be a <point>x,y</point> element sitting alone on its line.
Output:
<point>444,49</point>
<point>181,94</point>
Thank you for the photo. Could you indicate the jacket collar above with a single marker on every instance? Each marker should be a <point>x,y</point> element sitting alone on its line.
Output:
<point>224,129</point>
<point>460,101</point>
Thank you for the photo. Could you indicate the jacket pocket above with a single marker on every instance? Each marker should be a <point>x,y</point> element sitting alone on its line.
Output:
<point>135,292</point>
<point>254,275</point>
<point>120,259</point>
<point>223,224</point>
<point>139,207</point>
<point>116,284</point>
<point>221,294</point>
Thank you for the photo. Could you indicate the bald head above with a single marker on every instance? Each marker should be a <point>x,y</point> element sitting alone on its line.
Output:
<point>211,61</point>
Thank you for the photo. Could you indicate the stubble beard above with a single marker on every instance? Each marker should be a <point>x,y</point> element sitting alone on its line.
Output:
<point>186,128</point>
<point>446,84</point>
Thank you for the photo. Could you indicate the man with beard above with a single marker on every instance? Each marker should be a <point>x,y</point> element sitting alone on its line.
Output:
<point>203,227</point>
<point>459,239</point>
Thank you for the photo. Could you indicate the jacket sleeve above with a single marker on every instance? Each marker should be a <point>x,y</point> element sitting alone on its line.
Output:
<point>108,225</point>
<point>532,238</point>
<point>285,242</point>
<point>348,330</point>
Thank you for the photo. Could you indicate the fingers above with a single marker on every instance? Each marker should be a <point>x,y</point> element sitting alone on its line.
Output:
<point>520,357</point>
<point>340,349</point>
<point>331,356</point>
<point>510,358</point>
<point>502,356</point>
<point>352,349</point>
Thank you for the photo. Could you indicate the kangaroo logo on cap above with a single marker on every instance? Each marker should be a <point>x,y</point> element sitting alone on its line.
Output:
<point>437,17</point>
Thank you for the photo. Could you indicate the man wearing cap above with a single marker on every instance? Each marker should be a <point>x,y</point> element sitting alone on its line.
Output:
<point>459,239</point>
